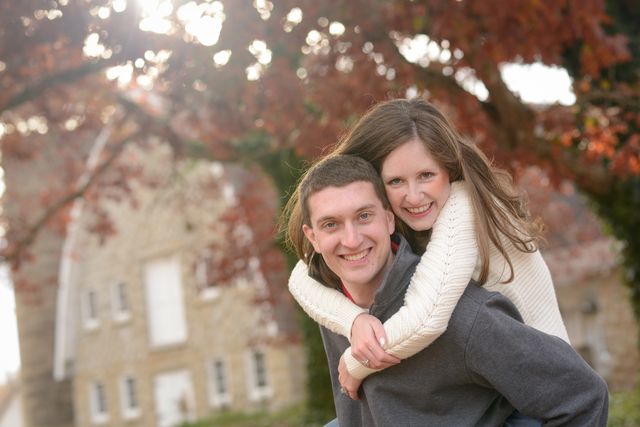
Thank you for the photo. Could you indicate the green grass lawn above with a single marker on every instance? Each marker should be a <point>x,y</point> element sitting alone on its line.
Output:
<point>624,409</point>
<point>290,417</point>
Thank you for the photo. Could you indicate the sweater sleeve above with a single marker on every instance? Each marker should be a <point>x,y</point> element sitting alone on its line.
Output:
<point>438,283</point>
<point>326,306</point>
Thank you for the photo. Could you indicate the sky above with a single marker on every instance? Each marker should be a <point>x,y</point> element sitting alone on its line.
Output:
<point>9,355</point>
<point>536,84</point>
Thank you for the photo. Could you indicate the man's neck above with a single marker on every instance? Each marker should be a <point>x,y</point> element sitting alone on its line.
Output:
<point>363,295</point>
<point>360,295</point>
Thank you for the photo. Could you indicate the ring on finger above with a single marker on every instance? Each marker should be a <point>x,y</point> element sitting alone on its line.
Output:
<point>365,362</point>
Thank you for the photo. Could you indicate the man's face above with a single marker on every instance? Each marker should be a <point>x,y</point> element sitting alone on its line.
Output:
<point>350,229</point>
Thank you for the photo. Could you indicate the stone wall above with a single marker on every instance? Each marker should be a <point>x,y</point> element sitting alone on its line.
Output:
<point>45,401</point>
<point>596,308</point>
<point>174,220</point>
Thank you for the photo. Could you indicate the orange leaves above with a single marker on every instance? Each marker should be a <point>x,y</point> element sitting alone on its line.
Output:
<point>607,135</point>
<point>305,98</point>
<point>600,51</point>
<point>627,160</point>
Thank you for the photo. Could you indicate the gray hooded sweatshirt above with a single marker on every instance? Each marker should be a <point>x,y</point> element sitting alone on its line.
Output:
<point>484,366</point>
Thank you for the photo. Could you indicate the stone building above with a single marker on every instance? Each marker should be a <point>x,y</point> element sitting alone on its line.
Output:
<point>145,333</point>
<point>594,302</point>
<point>11,413</point>
<point>135,328</point>
<point>596,309</point>
<point>135,334</point>
<point>45,401</point>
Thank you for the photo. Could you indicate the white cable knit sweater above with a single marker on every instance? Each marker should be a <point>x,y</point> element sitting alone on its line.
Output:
<point>450,260</point>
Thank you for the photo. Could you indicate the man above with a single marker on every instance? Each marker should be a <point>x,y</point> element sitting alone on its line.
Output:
<point>484,367</point>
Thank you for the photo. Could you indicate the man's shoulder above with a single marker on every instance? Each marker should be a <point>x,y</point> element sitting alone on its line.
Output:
<point>477,300</point>
<point>477,296</point>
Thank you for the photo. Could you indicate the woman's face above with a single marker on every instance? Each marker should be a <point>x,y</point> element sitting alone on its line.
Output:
<point>416,184</point>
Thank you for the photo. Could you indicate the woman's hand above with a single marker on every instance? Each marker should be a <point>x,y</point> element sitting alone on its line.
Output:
<point>367,341</point>
<point>349,385</point>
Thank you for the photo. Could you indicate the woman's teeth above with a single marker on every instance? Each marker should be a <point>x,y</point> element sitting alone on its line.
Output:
<point>420,209</point>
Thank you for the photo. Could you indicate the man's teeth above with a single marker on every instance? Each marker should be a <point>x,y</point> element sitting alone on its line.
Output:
<point>420,210</point>
<point>356,257</point>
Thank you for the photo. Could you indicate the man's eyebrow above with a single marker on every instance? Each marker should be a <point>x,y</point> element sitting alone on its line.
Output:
<point>325,218</point>
<point>365,207</point>
<point>333,218</point>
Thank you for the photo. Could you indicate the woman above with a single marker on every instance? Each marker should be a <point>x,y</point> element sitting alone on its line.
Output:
<point>444,192</point>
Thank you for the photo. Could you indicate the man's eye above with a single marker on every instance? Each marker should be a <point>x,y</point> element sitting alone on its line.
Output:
<point>365,216</point>
<point>329,225</point>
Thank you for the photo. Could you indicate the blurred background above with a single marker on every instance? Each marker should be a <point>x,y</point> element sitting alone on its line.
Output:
<point>148,145</point>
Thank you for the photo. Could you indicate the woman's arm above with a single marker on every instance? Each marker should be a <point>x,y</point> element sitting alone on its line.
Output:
<point>438,283</point>
<point>449,260</point>
<point>326,306</point>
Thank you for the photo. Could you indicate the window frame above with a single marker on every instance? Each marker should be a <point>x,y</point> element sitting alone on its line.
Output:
<point>98,403</point>
<point>206,291</point>
<point>128,410</point>
<point>218,398</point>
<point>257,372</point>
<point>90,309</point>
<point>119,292</point>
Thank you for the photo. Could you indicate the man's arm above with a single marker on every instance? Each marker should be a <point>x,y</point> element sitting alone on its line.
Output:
<point>540,375</point>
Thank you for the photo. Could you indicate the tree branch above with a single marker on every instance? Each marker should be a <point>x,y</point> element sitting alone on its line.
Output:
<point>160,126</point>
<point>18,248</point>
<point>514,124</point>
<point>36,89</point>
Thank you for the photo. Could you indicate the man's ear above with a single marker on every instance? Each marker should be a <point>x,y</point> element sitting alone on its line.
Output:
<point>391,221</point>
<point>311,236</point>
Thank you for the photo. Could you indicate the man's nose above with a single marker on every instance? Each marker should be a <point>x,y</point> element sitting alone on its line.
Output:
<point>351,237</point>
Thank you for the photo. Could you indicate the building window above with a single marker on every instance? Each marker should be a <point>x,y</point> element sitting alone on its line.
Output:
<point>259,387</point>
<point>218,384</point>
<point>165,302</point>
<point>129,397</point>
<point>260,369</point>
<point>120,302</point>
<point>90,309</point>
<point>205,276</point>
<point>98,402</point>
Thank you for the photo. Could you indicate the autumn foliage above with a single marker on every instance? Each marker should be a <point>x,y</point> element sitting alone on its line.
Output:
<point>252,81</point>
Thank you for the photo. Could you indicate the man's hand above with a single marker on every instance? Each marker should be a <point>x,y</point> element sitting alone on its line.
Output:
<point>349,384</point>
<point>367,341</point>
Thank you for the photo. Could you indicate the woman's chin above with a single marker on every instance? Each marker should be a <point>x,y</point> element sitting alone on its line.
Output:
<point>419,224</point>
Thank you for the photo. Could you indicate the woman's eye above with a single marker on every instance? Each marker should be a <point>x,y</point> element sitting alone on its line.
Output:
<point>427,175</point>
<point>329,225</point>
<point>394,181</point>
